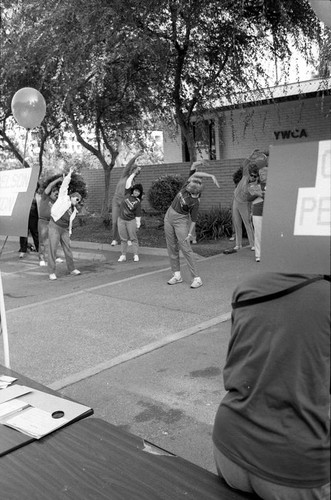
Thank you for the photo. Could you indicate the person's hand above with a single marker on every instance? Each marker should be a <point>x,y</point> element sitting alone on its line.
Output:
<point>196,164</point>
<point>215,181</point>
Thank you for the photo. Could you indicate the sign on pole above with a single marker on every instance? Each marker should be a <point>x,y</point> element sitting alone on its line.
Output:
<point>17,188</point>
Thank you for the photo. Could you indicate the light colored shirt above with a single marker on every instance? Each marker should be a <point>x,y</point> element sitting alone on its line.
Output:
<point>63,203</point>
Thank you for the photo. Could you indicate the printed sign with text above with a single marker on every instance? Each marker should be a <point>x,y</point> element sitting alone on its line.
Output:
<point>296,218</point>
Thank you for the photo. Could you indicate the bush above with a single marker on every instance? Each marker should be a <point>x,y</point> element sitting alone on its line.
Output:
<point>162,192</point>
<point>214,224</point>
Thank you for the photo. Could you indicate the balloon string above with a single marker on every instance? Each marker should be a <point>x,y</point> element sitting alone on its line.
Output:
<point>26,140</point>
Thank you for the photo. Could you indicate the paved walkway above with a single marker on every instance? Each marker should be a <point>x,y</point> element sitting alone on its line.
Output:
<point>145,355</point>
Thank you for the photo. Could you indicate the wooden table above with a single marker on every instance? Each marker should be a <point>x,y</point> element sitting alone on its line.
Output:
<point>95,460</point>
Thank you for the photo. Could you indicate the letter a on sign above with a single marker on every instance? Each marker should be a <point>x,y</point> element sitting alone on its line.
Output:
<point>296,214</point>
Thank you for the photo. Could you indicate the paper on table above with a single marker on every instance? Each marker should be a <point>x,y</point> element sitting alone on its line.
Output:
<point>35,422</point>
<point>12,392</point>
<point>5,381</point>
<point>12,406</point>
<point>7,378</point>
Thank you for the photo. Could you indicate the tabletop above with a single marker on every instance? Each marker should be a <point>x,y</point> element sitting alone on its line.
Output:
<point>96,460</point>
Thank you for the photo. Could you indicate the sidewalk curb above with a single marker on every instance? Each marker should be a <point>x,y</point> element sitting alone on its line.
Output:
<point>101,247</point>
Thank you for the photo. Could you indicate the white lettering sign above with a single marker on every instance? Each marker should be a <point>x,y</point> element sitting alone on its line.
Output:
<point>12,182</point>
<point>312,217</point>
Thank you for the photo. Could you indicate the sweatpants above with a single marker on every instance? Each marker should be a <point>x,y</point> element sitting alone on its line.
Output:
<point>128,231</point>
<point>58,235</point>
<point>241,479</point>
<point>176,229</point>
<point>241,213</point>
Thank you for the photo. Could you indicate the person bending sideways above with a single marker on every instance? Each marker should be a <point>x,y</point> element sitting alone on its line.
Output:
<point>47,199</point>
<point>272,429</point>
<point>63,213</point>
<point>129,221</point>
<point>178,228</point>
<point>126,181</point>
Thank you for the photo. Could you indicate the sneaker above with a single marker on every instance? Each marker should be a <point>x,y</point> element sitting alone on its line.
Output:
<point>237,247</point>
<point>258,259</point>
<point>42,263</point>
<point>21,255</point>
<point>75,272</point>
<point>59,260</point>
<point>232,238</point>
<point>174,280</point>
<point>114,243</point>
<point>122,258</point>
<point>52,277</point>
<point>194,242</point>
<point>136,258</point>
<point>129,243</point>
<point>252,248</point>
<point>196,283</point>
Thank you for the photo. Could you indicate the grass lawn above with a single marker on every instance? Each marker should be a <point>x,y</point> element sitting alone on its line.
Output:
<point>151,234</point>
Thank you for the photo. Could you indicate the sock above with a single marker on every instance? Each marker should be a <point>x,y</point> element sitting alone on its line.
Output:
<point>177,274</point>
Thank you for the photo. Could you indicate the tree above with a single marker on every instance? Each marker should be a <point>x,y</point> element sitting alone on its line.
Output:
<point>202,49</point>
<point>88,70</point>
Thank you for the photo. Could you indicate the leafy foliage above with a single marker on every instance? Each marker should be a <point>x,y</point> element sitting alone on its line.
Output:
<point>214,224</point>
<point>162,192</point>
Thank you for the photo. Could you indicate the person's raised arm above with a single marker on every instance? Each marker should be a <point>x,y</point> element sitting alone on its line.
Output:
<point>50,186</point>
<point>63,191</point>
<point>129,165</point>
<point>204,174</point>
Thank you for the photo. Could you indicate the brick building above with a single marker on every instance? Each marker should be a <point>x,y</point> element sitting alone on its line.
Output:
<point>293,114</point>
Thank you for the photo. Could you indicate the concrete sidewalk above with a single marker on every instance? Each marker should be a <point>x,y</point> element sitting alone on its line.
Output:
<point>145,355</point>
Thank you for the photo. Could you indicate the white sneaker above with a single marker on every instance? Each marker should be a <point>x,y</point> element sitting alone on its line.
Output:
<point>252,248</point>
<point>258,259</point>
<point>59,260</point>
<point>174,280</point>
<point>42,263</point>
<point>52,277</point>
<point>136,258</point>
<point>75,272</point>
<point>114,243</point>
<point>196,283</point>
<point>237,247</point>
<point>129,243</point>
<point>122,258</point>
<point>21,255</point>
<point>232,238</point>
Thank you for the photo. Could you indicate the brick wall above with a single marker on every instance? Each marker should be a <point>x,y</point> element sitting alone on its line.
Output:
<point>261,126</point>
<point>212,196</point>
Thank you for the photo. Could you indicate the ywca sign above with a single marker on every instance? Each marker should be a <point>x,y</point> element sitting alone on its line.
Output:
<point>296,219</point>
<point>290,134</point>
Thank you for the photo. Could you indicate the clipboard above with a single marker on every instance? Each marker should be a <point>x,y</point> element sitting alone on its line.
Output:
<point>11,439</point>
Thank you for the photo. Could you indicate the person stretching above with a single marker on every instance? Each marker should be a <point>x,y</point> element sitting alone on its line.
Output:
<point>63,213</point>
<point>130,171</point>
<point>129,221</point>
<point>178,229</point>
